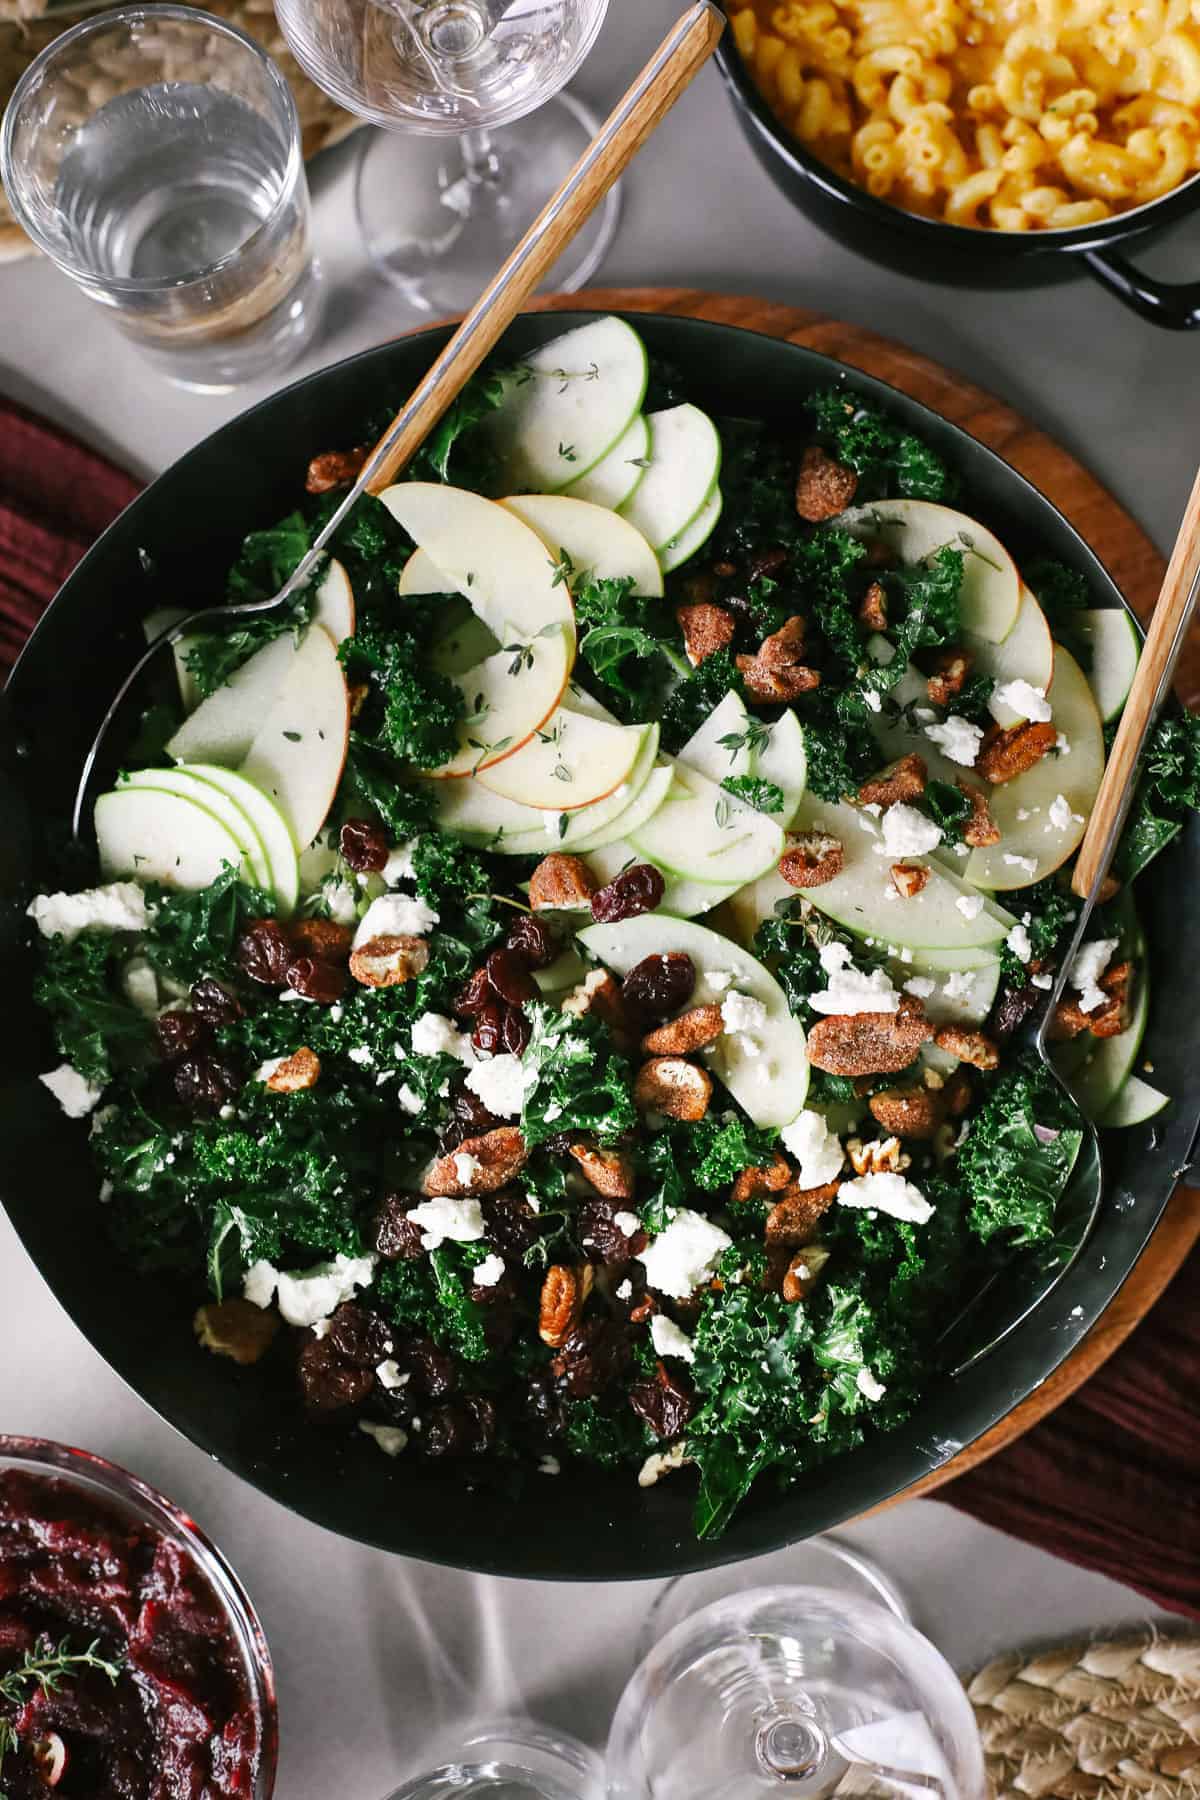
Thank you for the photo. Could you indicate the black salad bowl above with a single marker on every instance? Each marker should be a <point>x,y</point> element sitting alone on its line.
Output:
<point>957,254</point>
<point>173,545</point>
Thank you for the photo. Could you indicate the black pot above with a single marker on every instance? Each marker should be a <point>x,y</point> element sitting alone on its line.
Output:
<point>955,254</point>
<point>173,544</point>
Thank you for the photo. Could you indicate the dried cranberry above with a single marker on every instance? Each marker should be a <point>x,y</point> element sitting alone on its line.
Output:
<point>659,985</point>
<point>321,981</point>
<point>665,1404</point>
<point>470,1118</point>
<point>596,1352</point>
<point>511,1225</point>
<point>1013,1008</point>
<point>766,562</point>
<point>534,939</point>
<point>363,846</point>
<point>396,1236</point>
<point>509,976</point>
<point>515,1031</point>
<point>327,1382</point>
<point>465,1428</point>
<point>600,1234</point>
<point>178,1034</point>
<point>474,997</point>
<point>488,1027</point>
<point>215,1003</point>
<point>206,1084</point>
<point>543,1402</point>
<point>635,890</point>
<point>360,1337</point>
<point>264,953</point>
<point>431,1369</point>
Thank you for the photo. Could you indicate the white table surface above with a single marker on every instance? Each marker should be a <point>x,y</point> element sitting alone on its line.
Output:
<point>374,1654</point>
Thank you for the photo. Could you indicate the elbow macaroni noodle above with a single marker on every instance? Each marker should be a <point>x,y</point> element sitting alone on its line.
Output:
<point>1019,115</point>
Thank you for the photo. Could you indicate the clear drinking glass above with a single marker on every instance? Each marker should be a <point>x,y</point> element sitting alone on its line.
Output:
<point>154,154</point>
<point>510,1759</point>
<point>797,1691</point>
<point>443,195</point>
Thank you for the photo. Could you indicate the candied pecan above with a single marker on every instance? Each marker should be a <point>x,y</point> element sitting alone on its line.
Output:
<point>784,648</point>
<point>335,469</point>
<point>609,1171</point>
<point>327,1382</point>
<point>536,940</point>
<point>1006,753</point>
<point>236,1328</point>
<point>756,1183</point>
<point>793,1216</point>
<point>869,1043</point>
<point>812,859</point>
<point>776,686</point>
<point>215,1003</point>
<point>205,1083</point>
<point>396,1237</point>
<point>668,1084</point>
<point>902,780</point>
<point>508,976</point>
<point>980,829</point>
<point>950,670</point>
<point>824,487</point>
<point>635,890</point>
<point>388,961</point>
<point>884,1156</point>
<point>705,629</point>
<point>1106,1021</point>
<point>1102,1021</point>
<point>263,953</point>
<point>1115,981</point>
<point>599,992</point>
<point>499,1154</point>
<point>803,1272</point>
<point>561,881</point>
<point>565,1289</point>
<point>363,845</point>
<point>958,1093</point>
<point>691,1031</point>
<point>909,878</point>
<point>973,1047</point>
<point>1069,1021</point>
<point>872,610</point>
<point>659,985</point>
<point>665,1404</point>
<point>603,1236</point>
<point>300,1070</point>
<point>316,979</point>
<point>179,1033</point>
<point>908,1112</point>
<point>596,1352</point>
<point>322,938</point>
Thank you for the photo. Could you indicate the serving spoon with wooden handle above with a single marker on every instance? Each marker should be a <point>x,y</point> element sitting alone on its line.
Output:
<point>678,59</point>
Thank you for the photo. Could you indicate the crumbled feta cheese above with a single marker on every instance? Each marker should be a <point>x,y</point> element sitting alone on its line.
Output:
<point>310,1294</point>
<point>399,865</point>
<point>868,1386</point>
<point>139,984</point>
<point>1042,981</point>
<point>410,1101</point>
<point>873,807</point>
<point>500,1084</point>
<point>920,986</point>
<point>435,1035</point>
<point>488,1272</point>
<point>817,1150</point>
<point>265,1070</point>
<point>660,1463</point>
<point>466,1166</point>
<point>362,1054</point>
<point>741,1012</point>
<point>850,991</point>
<point>1062,744</point>
<point>395,915</point>
<point>1027,863</point>
<point>625,1291</point>
<point>390,1375</point>
<point>390,1438</point>
<point>1018,942</point>
<point>684,1254</point>
<point>887,1193</point>
<point>833,957</point>
<point>718,980</point>
<point>119,906</point>
<point>668,1340</point>
<point>907,832</point>
<point>288,993</point>
<point>552,1112</point>
<point>1060,814</point>
<point>1021,697</point>
<point>958,739</point>
<point>444,1217</point>
<point>549,1465</point>
<point>1023,813</point>
<point>73,1091</point>
<point>970,905</point>
<point>959,984</point>
<point>1087,966</point>
<point>342,901</point>
<point>627,1223</point>
<point>871,700</point>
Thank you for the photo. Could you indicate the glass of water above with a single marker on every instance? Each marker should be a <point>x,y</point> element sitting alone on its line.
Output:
<point>153,153</point>
<point>510,1759</point>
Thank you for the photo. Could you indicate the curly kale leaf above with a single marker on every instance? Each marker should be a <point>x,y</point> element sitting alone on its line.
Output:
<point>1168,790</point>
<point>887,459</point>
<point>195,933</point>
<point>459,449</point>
<point>1052,911</point>
<point>764,796</point>
<point>574,1079</point>
<point>612,1440</point>
<point>705,1156</point>
<point>412,711</point>
<point>370,784</point>
<point>430,1297</point>
<point>692,699</point>
<point>1062,593</point>
<point>839,748</point>
<point>1019,1154</point>
<point>948,807</point>
<point>622,642</point>
<point>95,1027</point>
<point>265,562</point>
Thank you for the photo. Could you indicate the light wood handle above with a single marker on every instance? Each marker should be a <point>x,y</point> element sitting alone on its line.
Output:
<point>680,56</point>
<point>1151,685</point>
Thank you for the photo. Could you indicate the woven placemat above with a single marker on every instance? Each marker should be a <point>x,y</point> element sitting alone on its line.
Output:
<point>26,28</point>
<point>1093,1721</point>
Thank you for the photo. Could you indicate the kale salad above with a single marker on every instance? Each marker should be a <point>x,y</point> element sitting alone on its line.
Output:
<point>555,991</point>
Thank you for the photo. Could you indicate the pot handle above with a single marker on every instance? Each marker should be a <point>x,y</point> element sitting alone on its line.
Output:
<point>1173,304</point>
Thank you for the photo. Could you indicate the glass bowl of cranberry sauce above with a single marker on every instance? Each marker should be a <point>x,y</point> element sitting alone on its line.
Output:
<point>160,1679</point>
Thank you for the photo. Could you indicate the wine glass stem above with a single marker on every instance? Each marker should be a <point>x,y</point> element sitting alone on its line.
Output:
<point>481,164</point>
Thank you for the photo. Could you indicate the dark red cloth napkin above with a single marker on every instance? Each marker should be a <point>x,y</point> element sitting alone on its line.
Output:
<point>1111,1480</point>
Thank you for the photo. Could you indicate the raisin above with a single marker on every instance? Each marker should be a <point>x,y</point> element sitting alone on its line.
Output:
<point>510,978</point>
<point>360,1337</point>
<point>543,1403</point>
<point>465,1428</point>
<point>323,982</point>
<point>514,1031</point>
<point>510,1225</point>
<point>397,1237</point>
<point>474,997</point>
<point>215,1003</point>
<point>263,953</point>
<point>534,940</point>
<point>363,846</point>
<point>488,1028</point>
<point>431,1369</point>
<point>664,1404</point>
<point>635,890</point>
<point>766,562</point>
<point>178,1034</point>
<point>205,1084</point>
<point>602,1237</point>
<point>659,985</point>
<point>327,1382</point>
<point>469,1118</point>
<point>594,1354</point>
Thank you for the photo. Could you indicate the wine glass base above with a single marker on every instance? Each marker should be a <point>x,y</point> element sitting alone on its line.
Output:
<point>438,219</point>
<point>822,1562</point>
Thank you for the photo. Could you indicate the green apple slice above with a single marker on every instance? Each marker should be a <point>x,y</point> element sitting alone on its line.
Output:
<point>1040,843</point>
<point>685,899</point>
<point>1026,654</point>
<point>611,481</point>
<point>990,595</point>
<point>783,760</point>
<point>705,751</point>
<point>962,996</point>
<point>1116,647</point>
<point>685,461</point>
<point>235,821</point>
<point>1134,1102</point>
<point>598,542</point>
<point>1099,1078</point>
<point>270,824</point>
<point>704,834</point>
<point>648,798</point>
<point>155,835</point>
<point>571,761</point>
<point>224,726</point>
<point>470,811</point>
<point>568,403</point>
<point>766,1071</point>
<point>507,698</point>
<point>153,625</point>
<point>693,537</point>
<point>334,605</point>
<point>299,750</point>
<point>580,701</point>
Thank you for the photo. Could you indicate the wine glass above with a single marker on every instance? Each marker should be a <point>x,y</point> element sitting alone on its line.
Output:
<point>510,1759</point>
<point>794,1688</point>
<point>443,195</point>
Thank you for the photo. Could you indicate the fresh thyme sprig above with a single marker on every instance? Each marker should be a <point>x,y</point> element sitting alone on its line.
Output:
<point>49,1666</point>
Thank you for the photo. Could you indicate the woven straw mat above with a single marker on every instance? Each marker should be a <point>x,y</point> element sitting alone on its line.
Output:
<point>26,28</point>
<point>1101,1721</point>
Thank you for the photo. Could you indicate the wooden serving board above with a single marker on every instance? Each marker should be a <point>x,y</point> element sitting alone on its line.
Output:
<point>1135,565</point>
